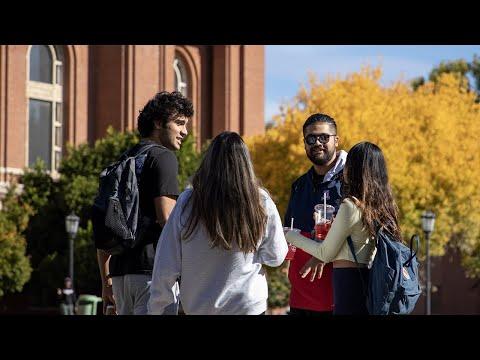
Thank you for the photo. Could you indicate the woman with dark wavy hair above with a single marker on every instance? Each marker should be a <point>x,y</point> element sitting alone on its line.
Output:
<point>367,205</point>
<point>217,238</point>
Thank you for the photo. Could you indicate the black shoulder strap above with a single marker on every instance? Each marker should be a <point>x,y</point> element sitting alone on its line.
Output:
<point>412,254</point>
<point>143,149</point>
<point>352,249</point>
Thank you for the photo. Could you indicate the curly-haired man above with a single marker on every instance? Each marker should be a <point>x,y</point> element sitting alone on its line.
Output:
<point>126,277</point>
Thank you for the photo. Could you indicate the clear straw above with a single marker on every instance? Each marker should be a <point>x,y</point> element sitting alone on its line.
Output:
<point>325,205</point>
<point>291,224</point>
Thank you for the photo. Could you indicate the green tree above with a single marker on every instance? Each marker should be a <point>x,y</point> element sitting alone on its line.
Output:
<point>475,71</point>
<point>45,234</point>
<point>460,68</point>
<point>188,161</point>
<point>15,269</point>
<point>417,82</point>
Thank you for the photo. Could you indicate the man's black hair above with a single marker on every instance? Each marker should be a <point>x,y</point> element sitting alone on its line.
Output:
<point>312,119</point>
<point>163,107</point>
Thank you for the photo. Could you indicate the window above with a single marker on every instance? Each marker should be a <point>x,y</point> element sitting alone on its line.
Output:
<point>41,64</point>
<point>45,105</point>
<point>39,125</point>
<point>181,80</point>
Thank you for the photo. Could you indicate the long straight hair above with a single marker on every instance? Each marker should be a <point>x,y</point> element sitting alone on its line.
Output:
<point>225,196</point>
<point>366,183</point>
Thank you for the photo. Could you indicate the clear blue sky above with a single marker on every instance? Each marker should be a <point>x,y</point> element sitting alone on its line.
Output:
<point>287,66</point>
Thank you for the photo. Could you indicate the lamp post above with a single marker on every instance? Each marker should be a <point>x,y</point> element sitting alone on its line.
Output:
<point>428,223</point>
<point>71,225</point>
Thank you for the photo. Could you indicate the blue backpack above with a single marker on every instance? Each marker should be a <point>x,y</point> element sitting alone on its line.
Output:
<point>393,287</point>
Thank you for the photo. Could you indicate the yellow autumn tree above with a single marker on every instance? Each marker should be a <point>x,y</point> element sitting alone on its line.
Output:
<point>430,138</point>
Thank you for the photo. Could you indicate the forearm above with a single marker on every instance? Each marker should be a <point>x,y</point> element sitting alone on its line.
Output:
<point>309,246</point>
<point>103,260</point>
<point>325,251</point>
<point>163,208</point>
<point>341,228</point>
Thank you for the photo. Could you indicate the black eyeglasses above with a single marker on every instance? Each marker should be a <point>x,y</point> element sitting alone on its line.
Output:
<point>323,138</point>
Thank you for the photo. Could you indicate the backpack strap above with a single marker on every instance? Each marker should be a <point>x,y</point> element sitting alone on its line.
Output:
<point>145,148</point>
<point>412,254</point>
<point>124,155</point>
<point>352,249</point>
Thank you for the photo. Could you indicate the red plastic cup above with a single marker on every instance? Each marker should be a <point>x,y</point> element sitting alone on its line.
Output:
<point>323,220</point>
<point>291,252</point>
<point>322,229</point>
<point>291,248</point>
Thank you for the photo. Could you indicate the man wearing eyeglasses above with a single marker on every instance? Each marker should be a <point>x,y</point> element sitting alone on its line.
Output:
<point>311,291</point>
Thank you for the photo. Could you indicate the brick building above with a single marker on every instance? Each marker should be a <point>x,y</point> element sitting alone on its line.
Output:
<point>51,95</point>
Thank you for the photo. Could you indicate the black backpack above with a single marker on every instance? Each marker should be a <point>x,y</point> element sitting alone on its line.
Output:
<point>117,221</point>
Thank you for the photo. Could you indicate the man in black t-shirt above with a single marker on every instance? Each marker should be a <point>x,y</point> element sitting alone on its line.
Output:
<point>126,277</point>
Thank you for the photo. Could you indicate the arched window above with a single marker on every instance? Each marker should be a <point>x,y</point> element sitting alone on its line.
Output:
<point>45,105</point>
<point>181,77</point>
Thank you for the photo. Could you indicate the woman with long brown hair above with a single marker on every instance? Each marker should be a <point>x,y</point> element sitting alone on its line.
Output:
<point>367,205</point>
<point>217,238</point>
